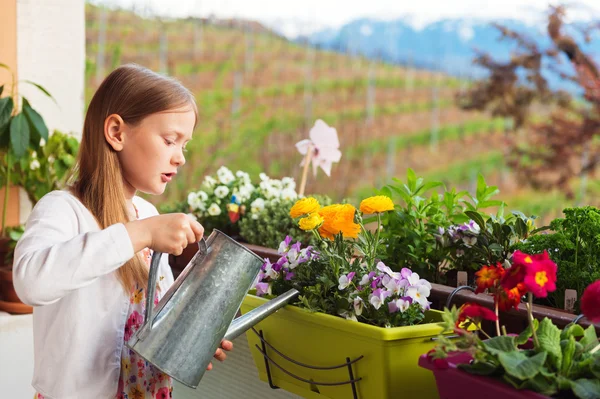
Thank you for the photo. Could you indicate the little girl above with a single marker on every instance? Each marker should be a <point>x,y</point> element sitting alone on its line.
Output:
<point>83,260</point>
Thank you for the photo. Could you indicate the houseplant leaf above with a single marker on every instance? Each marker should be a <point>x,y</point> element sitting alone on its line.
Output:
<point>19,135</point>
<point>36,123</point>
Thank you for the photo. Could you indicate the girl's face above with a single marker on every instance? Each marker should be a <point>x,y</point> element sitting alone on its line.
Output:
<point>153,150</point>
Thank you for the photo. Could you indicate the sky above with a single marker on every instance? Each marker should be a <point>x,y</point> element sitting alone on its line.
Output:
<point>305,16</point>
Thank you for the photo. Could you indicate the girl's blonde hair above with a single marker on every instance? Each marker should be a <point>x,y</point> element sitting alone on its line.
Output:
<point>133,92</point>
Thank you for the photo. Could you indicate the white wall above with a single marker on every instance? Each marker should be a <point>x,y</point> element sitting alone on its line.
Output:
<point>51,52</point>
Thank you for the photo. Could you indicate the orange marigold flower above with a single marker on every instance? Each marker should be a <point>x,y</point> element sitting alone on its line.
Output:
<point>376,204</point>
<point>338,219</point>
<point>304,206</point>
<point>488,277</point>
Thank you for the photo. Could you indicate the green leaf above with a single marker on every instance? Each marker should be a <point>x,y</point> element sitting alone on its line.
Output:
<point>595,366</point>
<point>479,368</point>
<point>526,333</point>
<point>549,338</point>
<point>428,186</point>
<point>500,344</point>
<point>6,108</point>
<point>589,340</point>
<point>411,180</point>
<point>518,365</point>
<point>36,121</point>
<point>573,330</point>
<point>481,186</point>
<point>586,389</point>
<point>568,352</point>
<point>476,216</point>
<point>19,135</point>
<point>41,89</point>
<point>490,203</point>
<point>542,384</point>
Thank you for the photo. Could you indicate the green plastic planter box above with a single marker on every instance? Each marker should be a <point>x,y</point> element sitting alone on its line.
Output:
<point>387,365</point>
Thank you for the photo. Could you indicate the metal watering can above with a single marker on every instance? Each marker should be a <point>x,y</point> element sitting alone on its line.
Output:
<point>180,336</point>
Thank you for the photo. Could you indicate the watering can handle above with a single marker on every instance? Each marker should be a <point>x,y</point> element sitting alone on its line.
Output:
<point>150,292</point>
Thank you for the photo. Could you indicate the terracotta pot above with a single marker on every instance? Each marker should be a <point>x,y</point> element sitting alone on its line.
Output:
<point>9,301</point>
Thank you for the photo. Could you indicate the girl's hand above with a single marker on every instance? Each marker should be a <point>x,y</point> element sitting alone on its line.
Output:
<point>169,233</point>
<point>220,355</point>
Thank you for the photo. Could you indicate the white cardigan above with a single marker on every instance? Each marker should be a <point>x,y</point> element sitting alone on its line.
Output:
<point>64,266</point>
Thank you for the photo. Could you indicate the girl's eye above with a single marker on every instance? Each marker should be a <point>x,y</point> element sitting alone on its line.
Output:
<point>169,142</point>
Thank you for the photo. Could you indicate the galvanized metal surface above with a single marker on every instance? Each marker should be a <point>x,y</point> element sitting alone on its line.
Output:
<point>181,335</point>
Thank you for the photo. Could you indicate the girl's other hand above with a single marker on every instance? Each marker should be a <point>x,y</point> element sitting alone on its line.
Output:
<point>220,354</point>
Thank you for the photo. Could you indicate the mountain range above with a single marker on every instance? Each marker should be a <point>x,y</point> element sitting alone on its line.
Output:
<point>448,45</point>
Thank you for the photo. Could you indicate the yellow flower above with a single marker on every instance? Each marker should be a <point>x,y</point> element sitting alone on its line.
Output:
<point>376,204</point>
<point>138,296</point>
<point>338,219</point>
<point>125,367</point>
<point>345,221</point>
<point>310,222</point>
<point>304,206</point>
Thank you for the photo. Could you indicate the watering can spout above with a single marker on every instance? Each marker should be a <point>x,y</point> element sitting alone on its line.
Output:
<point>255,316</point>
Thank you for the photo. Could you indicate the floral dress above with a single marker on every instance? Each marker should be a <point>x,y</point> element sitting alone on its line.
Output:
<point>140,379</point>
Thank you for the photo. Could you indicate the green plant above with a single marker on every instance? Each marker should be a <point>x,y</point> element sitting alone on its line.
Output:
<point>266,227</point>
<point>226,198</point>
<point>14,234</point>
<point>423,233</point>
<point>45,170</point>
<point>21,131</point>
<point>574,245</point>
<point>342,275</point>
<point>542,358</point>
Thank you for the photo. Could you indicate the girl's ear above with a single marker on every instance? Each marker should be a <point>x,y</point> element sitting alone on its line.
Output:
<point>114,131</point>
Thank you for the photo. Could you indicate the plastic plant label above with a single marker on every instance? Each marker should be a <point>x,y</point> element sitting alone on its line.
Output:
<point>461,279</point>
<point>570,300</point>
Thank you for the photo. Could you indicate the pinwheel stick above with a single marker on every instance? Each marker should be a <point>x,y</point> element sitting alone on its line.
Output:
<point>307,159</point>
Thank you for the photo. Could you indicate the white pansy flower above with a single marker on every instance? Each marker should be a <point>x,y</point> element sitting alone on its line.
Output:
<point>214,210</point>
<point>202,195</point>
<point>35,164</point>
<point>288,194</point>
<point>264,177</point>
<point>221,191</point>
<point>277,184</point>
<point>225,175</point>
<point>257,206</point>
<point>193,200</point>
<point>288,182</point>
<point>209,181</point>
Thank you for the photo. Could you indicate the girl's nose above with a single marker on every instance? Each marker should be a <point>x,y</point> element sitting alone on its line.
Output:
<point>179,158</point>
